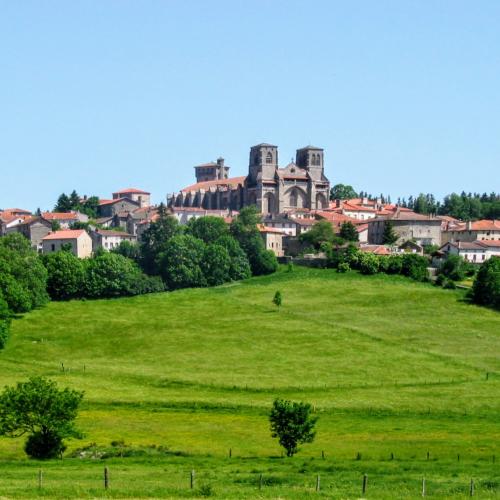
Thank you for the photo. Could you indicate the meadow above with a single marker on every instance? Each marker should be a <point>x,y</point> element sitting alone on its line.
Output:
<point>404,376</point>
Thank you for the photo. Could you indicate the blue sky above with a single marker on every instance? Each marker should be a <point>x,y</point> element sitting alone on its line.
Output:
<point>99,95</point>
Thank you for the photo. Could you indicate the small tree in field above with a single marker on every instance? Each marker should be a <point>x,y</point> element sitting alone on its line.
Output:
<point>41,410</point>
<point>277,299</point>
<point>292,424</point>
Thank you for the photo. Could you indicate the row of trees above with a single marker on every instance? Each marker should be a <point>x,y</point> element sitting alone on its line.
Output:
<point>407,264</point>
<point>205,252</point>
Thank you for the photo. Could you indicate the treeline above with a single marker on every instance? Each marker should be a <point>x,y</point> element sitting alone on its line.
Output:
<point>463,206</point>
<point>206,252</point>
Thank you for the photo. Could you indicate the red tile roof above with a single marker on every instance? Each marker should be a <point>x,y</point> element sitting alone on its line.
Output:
<point>59,215</point>
<point>131,191</point>
<point>69,234</point>
<point>376,249</point>
<point>232,183</point>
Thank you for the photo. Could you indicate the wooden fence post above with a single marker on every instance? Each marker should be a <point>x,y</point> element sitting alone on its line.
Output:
<point>317,482</point>
<point>260,482</point>
<point>106,478</point>
<point>230,452</point>
<point>423,486</point>
<point>365,481</point>
<point>192,479</point>
<point>323,454</point>
<point>40,478</point>
<point>428,455</point>
<point>471,489</point>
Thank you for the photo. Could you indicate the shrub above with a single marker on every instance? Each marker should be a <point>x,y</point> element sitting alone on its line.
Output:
<point>486,287</point>
<point>44,445</point>
<point>216,265</point>
<point>368,263</point>
<point>394,264</point>
<point>414,266</point>
<point>454,267</point>
<point>343,267</point>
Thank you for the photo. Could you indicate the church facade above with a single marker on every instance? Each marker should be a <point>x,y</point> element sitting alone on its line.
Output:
<point>300,185</point>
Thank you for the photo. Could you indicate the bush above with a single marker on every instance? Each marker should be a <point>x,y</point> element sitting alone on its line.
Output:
<point>454,267</point>
<point>414,266</point>
<point>394,264</point>
<point>343,267</point>
<point>486,287</point>
<point>368,263</point>
<point>44,445</point>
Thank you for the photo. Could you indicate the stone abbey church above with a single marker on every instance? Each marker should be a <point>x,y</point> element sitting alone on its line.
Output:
<point>300,185</point>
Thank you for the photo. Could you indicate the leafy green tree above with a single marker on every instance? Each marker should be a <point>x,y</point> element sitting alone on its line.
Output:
<point>292,423</point>
<point>55,225</point>
<point>23,278</point>
<point>154,240</point>
<point>244,230</point>
<point>109,275</point>
<point>66,275</point>
<point>486,287</point>
<point>216,265</point>
<point>389,236</point>
<point>90,206</point>
<point>342,192</point>
<point>4,321</point>
<point>321,232</point>
<point>208,229</point>
<point>348,231</point>
<point>41,410</point>
<point>277,299</point>
<point>239,267</point>
<point>181,261</point>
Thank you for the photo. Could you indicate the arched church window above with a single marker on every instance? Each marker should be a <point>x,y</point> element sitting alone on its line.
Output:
<point>269,157</point>
<point>293,198</point>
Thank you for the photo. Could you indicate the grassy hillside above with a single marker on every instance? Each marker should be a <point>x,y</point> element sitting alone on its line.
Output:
<point>391,365</point>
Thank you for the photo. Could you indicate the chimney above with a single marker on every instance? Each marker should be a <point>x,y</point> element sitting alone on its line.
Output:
<point>468,226</point>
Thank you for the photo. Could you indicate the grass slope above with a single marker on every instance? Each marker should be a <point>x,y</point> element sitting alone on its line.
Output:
<point>392,366</point>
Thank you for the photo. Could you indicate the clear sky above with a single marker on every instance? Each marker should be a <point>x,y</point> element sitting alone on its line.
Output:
<point>98,95</point>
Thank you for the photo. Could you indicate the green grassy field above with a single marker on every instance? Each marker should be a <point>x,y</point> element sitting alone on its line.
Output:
<point>391,366</point>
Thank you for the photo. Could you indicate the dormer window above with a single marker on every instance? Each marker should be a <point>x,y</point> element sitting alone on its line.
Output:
<point>292,170</point>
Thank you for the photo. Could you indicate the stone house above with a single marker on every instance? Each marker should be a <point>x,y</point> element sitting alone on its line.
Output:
<point>476,252</point>
<point>273,239</point>
<point>78,239</point>
<point>109,208</point>
<point>35,229</point>
<point>408,225</point>
<point>109,239</point>
<point>143,198</point>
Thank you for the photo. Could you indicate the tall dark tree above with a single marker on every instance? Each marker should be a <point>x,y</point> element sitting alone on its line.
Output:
<point>63,204</point>
<point>348,231</point>
<point>389,236</point>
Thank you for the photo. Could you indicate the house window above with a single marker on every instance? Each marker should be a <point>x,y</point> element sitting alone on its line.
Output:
<point>53,247</point>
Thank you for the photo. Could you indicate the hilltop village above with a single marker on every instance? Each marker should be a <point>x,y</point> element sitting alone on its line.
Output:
<point>291,200</point>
